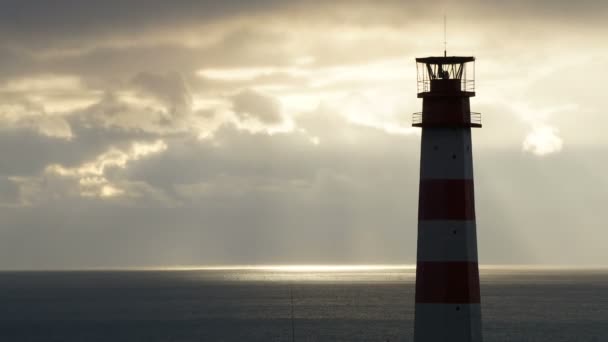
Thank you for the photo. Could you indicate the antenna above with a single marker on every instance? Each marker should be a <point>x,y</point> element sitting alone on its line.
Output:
<point>445,36</point>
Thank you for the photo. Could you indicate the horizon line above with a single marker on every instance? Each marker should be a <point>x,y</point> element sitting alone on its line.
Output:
<point>301,268</point>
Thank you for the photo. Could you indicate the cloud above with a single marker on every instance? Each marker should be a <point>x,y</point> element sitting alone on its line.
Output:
<point>543,140</point>
<point>126,112</point>
<point>23,114</point>
<point>250,105</point>
<point>43,103</point>
<point>66,17</point>
<point>92,176</point>
<point>9,192</point>
<point>170,89</point>
<point>26,152</point>
<point>276,128</point>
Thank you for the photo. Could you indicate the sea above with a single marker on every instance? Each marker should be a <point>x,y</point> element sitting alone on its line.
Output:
<point>288,304</point>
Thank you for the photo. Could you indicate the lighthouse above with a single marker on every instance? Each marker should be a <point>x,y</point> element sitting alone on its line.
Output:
<point>447,273</point>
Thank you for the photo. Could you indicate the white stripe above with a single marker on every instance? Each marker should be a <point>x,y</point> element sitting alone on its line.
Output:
<point>447,322</point>
<point>447,240</point>
<point>446,153</point>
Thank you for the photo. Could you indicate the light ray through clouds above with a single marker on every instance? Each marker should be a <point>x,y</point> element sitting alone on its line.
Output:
<point>280,132</point>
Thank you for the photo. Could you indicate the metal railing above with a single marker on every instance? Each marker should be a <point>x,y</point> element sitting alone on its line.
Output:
<point>474,119</point>
<point>417,118</point>
<point>467,85</point>
<point>424,86</point>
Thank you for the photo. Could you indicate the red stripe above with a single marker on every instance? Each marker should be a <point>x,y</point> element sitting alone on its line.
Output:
<point>447,282</point>
<point>446,199</point>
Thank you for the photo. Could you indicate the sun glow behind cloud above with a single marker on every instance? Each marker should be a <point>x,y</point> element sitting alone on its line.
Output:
<point>368,94</point>
<point>543,140</point>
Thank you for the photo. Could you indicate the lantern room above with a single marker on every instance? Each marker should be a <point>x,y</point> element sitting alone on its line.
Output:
<point>446,75</point>
<point>445,85</point>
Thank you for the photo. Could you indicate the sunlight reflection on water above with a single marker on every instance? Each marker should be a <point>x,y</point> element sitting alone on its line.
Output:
<point>365,273</point>
<point>305,273</point>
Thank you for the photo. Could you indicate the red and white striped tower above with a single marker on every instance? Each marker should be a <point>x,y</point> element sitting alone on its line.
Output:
<point>447,274</point>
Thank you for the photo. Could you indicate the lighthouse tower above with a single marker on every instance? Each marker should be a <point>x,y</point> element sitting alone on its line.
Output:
<point>447,274</point>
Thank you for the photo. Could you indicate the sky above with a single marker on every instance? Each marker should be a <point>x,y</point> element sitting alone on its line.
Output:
<point>180,133</point>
